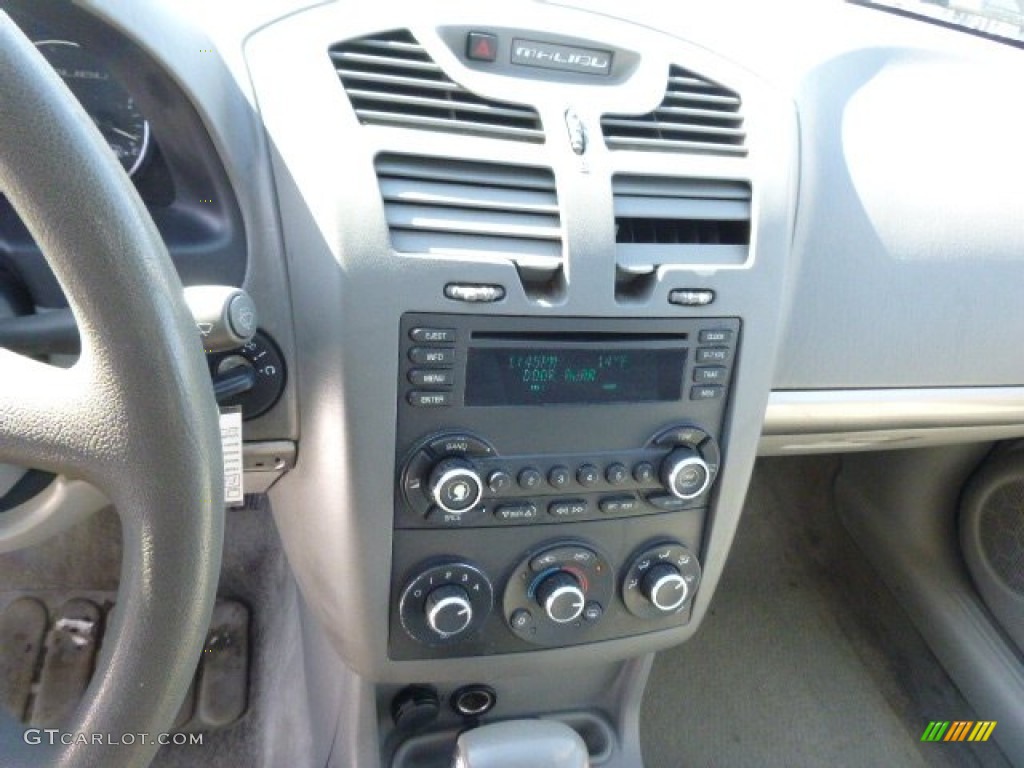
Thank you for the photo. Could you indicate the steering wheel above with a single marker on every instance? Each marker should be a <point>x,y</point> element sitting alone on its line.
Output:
<point>135,416</point>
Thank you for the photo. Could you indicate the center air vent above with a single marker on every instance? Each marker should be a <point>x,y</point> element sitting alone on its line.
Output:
<point>391,80</point>
<point>475,211</point>
<point>697,116</point>
<point>663,221</point>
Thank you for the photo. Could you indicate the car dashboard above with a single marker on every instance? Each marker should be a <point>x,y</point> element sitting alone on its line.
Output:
<point>546,279</point>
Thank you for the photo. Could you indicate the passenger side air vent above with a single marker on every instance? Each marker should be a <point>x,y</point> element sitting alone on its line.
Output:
<point>391,80</point>
<point>697,116</point>
<point>477,212</point>
<point>663,221</point>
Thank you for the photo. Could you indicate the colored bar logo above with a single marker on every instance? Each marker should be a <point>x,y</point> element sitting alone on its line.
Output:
<point>958,730</point>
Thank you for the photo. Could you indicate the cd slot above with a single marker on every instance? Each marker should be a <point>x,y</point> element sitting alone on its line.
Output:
<point>584,337</point>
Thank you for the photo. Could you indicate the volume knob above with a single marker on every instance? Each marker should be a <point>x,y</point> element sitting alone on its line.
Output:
<point>456,486</point>
<point>685,473</point>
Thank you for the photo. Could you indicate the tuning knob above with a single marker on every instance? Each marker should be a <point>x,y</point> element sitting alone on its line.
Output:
<point>665,588</point>
<point>562,597</point>
<point>685,473</point>
<point>449,610</point>
<point>455,485</point>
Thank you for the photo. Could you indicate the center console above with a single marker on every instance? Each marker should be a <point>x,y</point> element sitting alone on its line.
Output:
<point>553,478</point>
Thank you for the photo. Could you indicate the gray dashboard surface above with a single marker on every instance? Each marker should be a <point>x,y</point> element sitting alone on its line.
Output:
<point>909,237</point>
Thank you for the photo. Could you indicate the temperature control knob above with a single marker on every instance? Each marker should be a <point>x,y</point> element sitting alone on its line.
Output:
<point>685,473</point>
<point>449,610</point>
<point>562,597</point>
<point>665,587</point>
<point>455,485</point>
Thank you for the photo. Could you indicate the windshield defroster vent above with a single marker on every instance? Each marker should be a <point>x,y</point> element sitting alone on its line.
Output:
<point>392,80</point>
<point>697,116</point>
<point>664,221</point>
<point>477,212</point>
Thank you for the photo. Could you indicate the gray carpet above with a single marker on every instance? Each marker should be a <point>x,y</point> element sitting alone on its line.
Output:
<point>805,658</point>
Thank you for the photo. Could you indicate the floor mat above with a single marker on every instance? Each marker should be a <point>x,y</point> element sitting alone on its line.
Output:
<point>805,658</point>
<point>49,642</point>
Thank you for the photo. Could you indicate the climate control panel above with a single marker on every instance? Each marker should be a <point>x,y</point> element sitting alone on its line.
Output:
<point>458,479</point>
<point>562,592</point>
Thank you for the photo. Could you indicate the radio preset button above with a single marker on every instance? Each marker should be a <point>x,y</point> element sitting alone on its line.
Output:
<point>559,477</point>
<point>711,374</point>
<point>499,481</point>
<point>715,336</point>
<point>430,399</point>
<point>713,355</point>
<point>530,479</point>
<point>432,356</point>
<point>707,392</point>
<point>568,508</point>
<point>433,335</point>
<point>588,474</point>
<point>643,472</point>
<point>516,512</point>
<point>427,378</point>
<point>616,474</point>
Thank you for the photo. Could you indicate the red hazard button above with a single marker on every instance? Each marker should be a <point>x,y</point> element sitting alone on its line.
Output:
<point>482,46</point>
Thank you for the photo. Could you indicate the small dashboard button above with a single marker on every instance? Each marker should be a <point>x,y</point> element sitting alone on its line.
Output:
<point>713,355</point>
<point>559,477</point>
<point>432,356</point>
<point>588,474</point>
<point>432,335</point>
<point>530,479</point>
<point>643,472</point>
<point>459,443</point>
<point>515,512</point>
<point>568,508</point>
<point>430,399</point>
<point>616,474</point>
<point>499,481</point>
<point>620,505</point>
<point>428,378</point>
<point>715,336</point>
<point>710,374</point>
<point>482,46</point>
<point>707,392</point>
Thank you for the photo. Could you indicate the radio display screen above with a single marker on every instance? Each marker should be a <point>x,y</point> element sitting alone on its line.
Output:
<point>572,375</point>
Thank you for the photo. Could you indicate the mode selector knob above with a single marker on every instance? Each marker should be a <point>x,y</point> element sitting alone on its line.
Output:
<point>685,474</point>
<point>562,597</point>
<point>448,610</point>
<point>455,485</point>
<point>665,587</point>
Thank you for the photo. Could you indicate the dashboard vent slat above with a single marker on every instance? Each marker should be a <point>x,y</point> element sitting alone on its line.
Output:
<point>675,221</point>
<point>696,116</point>
<point>476,211</point>
<point>391,80</point>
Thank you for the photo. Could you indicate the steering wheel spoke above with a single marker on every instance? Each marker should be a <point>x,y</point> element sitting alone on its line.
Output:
<point>51,418</point>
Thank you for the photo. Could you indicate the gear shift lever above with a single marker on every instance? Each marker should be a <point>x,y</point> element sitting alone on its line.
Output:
<point>519,743</point>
